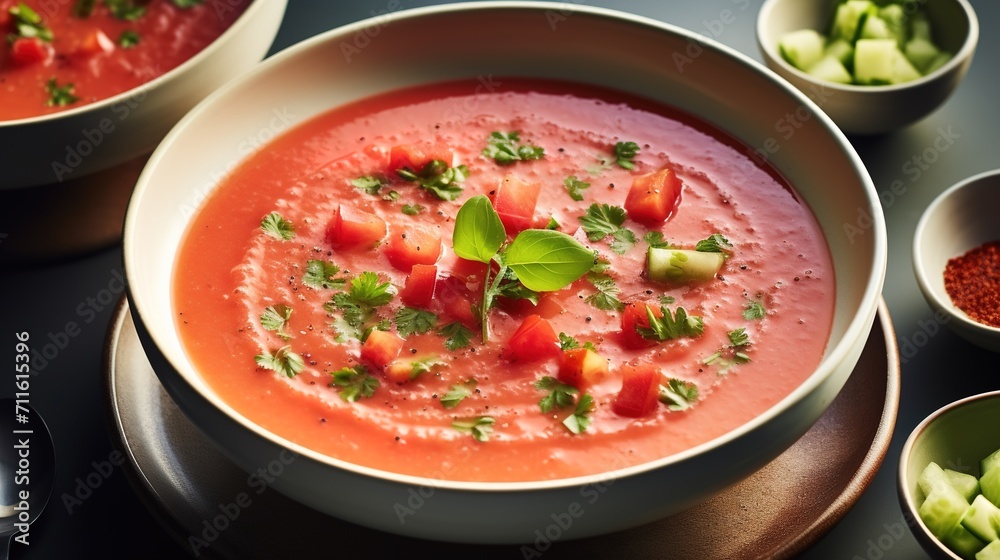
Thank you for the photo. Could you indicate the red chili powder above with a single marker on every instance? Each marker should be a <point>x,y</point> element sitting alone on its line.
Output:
<point>973,282</point>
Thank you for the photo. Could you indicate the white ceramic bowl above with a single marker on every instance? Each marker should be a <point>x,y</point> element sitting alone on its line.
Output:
<point>872,109</point>
<point>956,436</point>
<point>634,55</point>
<point>958,220</point>
<point>71,144</point>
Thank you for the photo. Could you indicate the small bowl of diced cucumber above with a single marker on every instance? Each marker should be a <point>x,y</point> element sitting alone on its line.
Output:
<point>949,480</point>
<point>873,66</point>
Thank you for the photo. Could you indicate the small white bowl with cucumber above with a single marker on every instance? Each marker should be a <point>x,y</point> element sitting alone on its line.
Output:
<point>949,480</point>
<point>873,66</point>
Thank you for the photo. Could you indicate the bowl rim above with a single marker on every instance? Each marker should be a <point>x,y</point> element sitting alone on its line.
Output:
<point>249,14</point>
<point>856,327</point>
<point>902,478</point>
<point>920,268</point>
<point>963,55</point>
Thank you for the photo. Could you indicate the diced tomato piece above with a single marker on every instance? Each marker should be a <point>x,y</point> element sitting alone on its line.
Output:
<point>634,316</point>
<point>515,201</point>
<point>582,367</point>
<point>28,51</point>
<point>399,371</point>
<point>413,245</point>
<point>96,42</point>
<point>467,270</point>
<point>381,348</point>
<point>456,303</point>
<point>653,197</point>
<point>418,291</point>
<point>547,307</point>
<point>533,340</point>
<point>639,393</point>
<point>416,157</point>
<point>353,228</point>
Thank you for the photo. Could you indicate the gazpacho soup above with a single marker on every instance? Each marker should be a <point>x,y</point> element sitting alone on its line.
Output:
<point>545,281</point>
<point>62,54</point>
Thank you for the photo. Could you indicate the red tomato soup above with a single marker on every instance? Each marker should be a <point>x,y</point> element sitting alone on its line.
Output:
<point>62,54</point>
<point>332,288</point>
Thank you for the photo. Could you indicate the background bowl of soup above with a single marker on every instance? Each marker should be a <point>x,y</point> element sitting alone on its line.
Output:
<point>75,131</point>
<point>637,56</point>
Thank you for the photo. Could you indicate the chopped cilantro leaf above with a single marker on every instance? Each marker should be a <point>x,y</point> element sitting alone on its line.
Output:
<point>185,4</point>
<point>125,9</point>
<point>426,364</point>
<point>602,220</point>
<point>560,395</point>
<point>655,239</point>
<point>667,300</point>
<point>574,187</point>
<point>624,240</point>
<point>553,224</point>
<point>277,227</point>
<point>579,421</point>
<point>503,148</point>
<point>358,306</point>
<point>678,394</point>
<point>458,393</point>
<point>320,274</point>
<point>480,427</point>
<point>355,381</point>
<point>456,335</point>
<point>60,96</point>
<point>754,310</point>
<point>369,184</point>
<point>282,361</point>
<point>412,209</point>
<point>625,152</point>
<point>414,321</point>
<point>671,325</point>
<point>606,296</point>
<point>445,182</point>
<point>739,337</point>
<point>275,318</point>
<point>567,342</point>
<point>128,39</point>
<point>714,243</point>
<point>28,23</point>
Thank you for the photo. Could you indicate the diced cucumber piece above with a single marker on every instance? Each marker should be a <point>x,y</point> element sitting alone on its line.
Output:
<point>841,50</point>
<point>876,28</point>
<point>801,48</point>
<point>990,461</point>
<point>920,28</point>
<point>895,18</point>
<point>678,266</point>
<point>829,68</point>
<point>991,552</point>
<point>902,70</point>
<point>921,53</point>
<point>962,542</point>
<point>966,484</point>
<point>931,477</point>
<point>982,519</point>
<point>850,19</point>
<point>942,510</point>
<point>874,60</point>
<point>989,485</point>
<point>939,61</point>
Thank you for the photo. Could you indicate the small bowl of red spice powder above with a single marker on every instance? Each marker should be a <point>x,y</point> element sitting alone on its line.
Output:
<point>956,258</point>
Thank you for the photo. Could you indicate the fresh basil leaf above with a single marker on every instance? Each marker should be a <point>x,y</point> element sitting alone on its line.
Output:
<point>479,233</point>
<point>546,260</point>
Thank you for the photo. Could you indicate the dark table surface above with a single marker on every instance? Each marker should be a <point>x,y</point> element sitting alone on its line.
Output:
<point>69,303</point>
